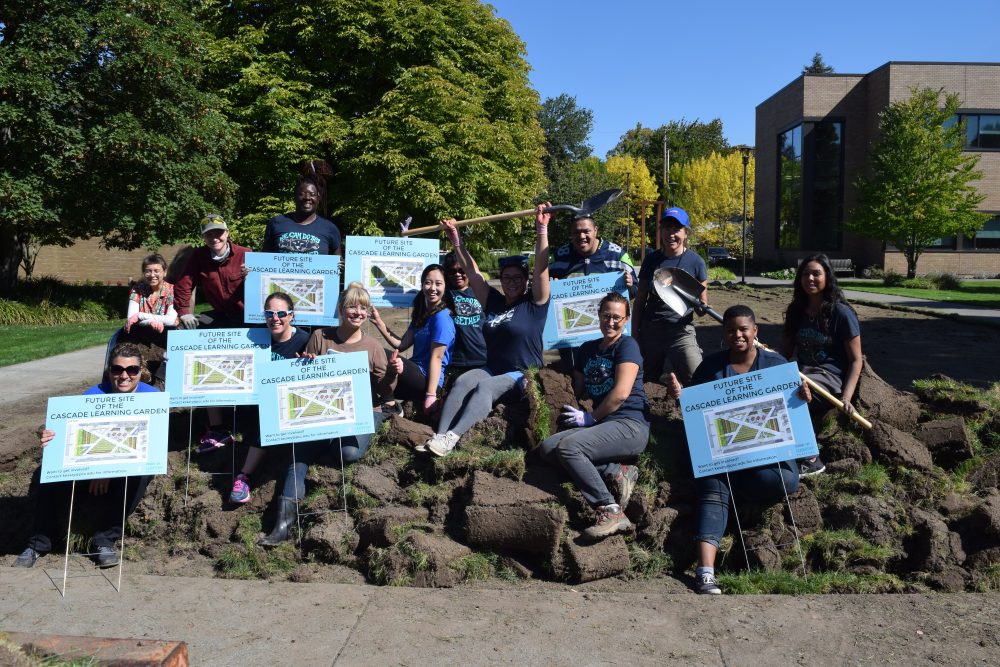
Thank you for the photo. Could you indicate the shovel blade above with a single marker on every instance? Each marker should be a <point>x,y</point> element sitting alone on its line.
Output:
<point>676,299</point>
<point>598,201</point>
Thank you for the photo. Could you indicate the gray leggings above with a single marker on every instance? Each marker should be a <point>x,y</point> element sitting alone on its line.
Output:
<point>593,453</point>
<point>472,399</point>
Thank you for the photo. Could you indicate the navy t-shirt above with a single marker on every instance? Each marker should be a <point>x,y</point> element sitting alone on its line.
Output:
<point>598,369</point>
<point>827,350</point>
<point>284,235</point>
<point>656,310</point>
<point>513,333</point>
<point>470,346</point>
<point>439,329</point>
<point>106,388</point>
<point>716,365</point>
<point>290,347</point>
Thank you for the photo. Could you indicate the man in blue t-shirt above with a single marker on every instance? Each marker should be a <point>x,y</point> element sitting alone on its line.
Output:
<point>661,332</point>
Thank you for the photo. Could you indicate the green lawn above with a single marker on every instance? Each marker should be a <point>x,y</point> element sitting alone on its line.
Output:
<point>37,341</point>
<point>984,293</point>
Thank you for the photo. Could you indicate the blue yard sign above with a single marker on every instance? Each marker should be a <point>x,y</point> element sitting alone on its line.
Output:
<point>212,367</point>
<point>572,318</point>
<point>389,267</point>
<point>312,281</point>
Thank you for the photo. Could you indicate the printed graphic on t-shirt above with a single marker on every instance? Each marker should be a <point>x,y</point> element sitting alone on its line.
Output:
<point>599,376</point>
<point>813,346</point>
<point>497,319</point>
<point>299,242</point>
<point>468,311</point>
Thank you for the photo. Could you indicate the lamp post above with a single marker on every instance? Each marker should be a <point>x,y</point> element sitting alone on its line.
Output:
<point>745,151</point>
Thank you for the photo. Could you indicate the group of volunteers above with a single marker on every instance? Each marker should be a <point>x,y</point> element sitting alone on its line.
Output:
<point>472,344</point>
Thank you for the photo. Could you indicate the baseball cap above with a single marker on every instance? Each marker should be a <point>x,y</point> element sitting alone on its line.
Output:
<point>677,214</point>
<point>211,222</point>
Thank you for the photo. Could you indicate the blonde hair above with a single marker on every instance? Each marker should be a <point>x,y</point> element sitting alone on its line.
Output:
<point>354,294</point>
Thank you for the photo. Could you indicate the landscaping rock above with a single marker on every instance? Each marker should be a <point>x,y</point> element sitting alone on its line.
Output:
<point>333,539</point>
<point>377,484</point>
<point>894,447</point>
<point>932,547</point>
<point>588,561</point>
<point>881,402</point>
<point>947,439</point>
<point>379,527</point>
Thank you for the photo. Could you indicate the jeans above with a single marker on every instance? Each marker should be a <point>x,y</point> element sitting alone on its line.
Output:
<point>472,399</point>
<point>759,486</point>
<point>594,453</point>
<point>104,511</point>
<point>663,341</point>
<point>352,448</point>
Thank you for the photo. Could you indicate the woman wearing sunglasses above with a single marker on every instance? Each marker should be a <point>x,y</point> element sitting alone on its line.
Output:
<point>595,448</point>
<point>287,341</point>
<point>104,496</point>
<point>469,352</point>
<point>515,319</point>
<point>353,309</point>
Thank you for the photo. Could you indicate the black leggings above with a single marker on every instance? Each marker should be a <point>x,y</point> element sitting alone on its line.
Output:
<point>412,383</point>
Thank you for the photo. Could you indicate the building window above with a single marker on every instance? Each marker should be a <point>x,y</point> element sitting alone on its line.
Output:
<point>810,186</point>
<point>982,130</point>
<point>988,238</point>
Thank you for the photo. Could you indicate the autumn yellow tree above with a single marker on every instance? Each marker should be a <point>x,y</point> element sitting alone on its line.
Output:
<point>640,186</point>
<point>710,189</point>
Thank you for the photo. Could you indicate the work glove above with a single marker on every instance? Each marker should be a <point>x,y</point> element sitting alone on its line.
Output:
<point>188,321</point>
<point>570,416</point>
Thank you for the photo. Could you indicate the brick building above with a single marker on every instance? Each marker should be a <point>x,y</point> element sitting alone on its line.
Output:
<point>812,140</point>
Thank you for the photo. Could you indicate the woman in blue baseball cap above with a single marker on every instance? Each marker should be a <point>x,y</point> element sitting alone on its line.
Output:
<point>662,333</point>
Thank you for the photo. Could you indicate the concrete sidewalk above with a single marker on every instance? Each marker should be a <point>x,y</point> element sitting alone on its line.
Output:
<point>51,376</point>
<point>250,623</point>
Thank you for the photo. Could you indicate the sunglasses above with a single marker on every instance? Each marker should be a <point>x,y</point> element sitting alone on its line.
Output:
<point>132,371</point>
<point>456,272</point>
<point>280,314</point>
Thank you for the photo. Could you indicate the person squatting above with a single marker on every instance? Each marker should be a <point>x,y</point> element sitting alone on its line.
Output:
<point>473,344</point>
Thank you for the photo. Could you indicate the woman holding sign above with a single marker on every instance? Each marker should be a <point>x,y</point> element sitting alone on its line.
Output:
<point>764,485</point>
<point>352,311</point>
<point>594,449</point>
<point>515,320</point>
<point>125,368</point>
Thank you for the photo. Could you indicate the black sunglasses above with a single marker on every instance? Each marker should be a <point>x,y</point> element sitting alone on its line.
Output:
<point>281,314</point>
<point>132,371</point>
<point>456,271</point>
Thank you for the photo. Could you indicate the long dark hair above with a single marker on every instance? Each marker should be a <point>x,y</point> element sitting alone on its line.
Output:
<point>420,311</point>
<point>832,295</point>
<point>315,172</point>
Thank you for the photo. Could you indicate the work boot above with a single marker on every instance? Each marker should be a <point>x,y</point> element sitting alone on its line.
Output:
<point>282,524</point>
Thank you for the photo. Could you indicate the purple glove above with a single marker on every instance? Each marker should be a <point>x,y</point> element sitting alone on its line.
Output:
<point>570,416</point>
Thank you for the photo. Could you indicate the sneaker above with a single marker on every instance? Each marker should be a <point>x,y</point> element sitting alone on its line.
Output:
<point>241,490</point>
<point>106,557</point>
<point>707,585</point>
<point>610,520</point>
<point>393,408</point>
<point>441,445</point>
<point>813,466</point>
<point>623,484</point>
<point>422,447</point>
<point>27,558</point>
<point>213,439</point>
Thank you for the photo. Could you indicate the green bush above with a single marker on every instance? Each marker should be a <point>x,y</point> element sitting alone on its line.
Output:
<point>783,274</point>
<point>720,273</point>
<point>945,281</point>
<point>49,301</point>
<point>917,283</point>
<point>892,278</point>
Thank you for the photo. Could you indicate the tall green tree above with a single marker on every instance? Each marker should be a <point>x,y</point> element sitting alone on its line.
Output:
<point>687,140</point>
<point>574,182</point>
<point>423,108</point>
<point>107,127</point>
<point>817,66</point>
<point>567,129</point>
<point>920,187</point>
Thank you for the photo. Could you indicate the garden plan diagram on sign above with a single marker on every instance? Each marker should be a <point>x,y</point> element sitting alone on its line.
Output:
<point>103,441</point>
<point>747,426</point>
<point>210,372</point>
<point>392,275</point>
<point>306,290</point>
<point>577,317</point>
<point>312,403</point>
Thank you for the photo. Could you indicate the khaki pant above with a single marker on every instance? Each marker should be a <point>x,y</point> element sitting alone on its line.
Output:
<point>660,342</point>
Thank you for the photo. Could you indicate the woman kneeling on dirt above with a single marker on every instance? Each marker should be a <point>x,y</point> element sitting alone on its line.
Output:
<point>823,335</point>
<point>764,485</point>
<point>353,309</point>
<point>515,319</point>
<point>593,450</point>
<point>125,367</point>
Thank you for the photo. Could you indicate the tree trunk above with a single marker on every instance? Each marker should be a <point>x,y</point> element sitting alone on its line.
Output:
<point>911,264</point>
<point>10,259</point>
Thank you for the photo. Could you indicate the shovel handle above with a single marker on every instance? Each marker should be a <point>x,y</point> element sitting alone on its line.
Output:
<point>471,221</point>
<point>836,402</point>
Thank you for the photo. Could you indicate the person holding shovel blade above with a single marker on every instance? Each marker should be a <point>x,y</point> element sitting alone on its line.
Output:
<point>662,333</point>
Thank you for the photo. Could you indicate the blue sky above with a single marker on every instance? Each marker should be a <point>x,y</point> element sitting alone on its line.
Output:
<point>652,61</point>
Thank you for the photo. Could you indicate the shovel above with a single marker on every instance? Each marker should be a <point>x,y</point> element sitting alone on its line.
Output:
<point>585,209</point>
<point>681,291</point>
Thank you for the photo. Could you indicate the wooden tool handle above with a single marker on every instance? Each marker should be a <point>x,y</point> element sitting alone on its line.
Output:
<point>471,221</point>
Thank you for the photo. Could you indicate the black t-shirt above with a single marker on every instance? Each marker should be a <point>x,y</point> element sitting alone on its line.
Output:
<point>655,310</point>
<point>598,369</point>
<point>290,347</point>
<point>513,333</point>
<point>827,350</point>
<point>470,345</point>
<point>284,235</point>
<point>716,365</point>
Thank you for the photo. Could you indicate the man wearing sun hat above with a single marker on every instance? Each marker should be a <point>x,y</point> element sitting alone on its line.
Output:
<point>216,269</point>
<point>663,334</point>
